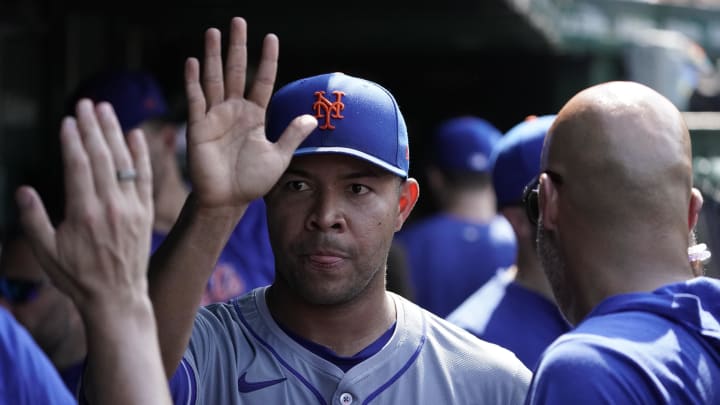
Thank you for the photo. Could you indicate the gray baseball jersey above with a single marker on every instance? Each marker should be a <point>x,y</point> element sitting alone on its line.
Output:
<point>239,355</point>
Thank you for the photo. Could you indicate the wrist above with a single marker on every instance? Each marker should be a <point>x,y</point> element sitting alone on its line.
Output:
<point>212,213</point>
<point>117,311</point>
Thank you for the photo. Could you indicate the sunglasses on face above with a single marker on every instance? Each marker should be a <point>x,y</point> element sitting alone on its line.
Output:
<point>531,192</point>
<point>19,291</point>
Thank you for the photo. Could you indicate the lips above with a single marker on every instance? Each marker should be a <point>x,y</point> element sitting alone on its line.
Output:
<point>325,258</point>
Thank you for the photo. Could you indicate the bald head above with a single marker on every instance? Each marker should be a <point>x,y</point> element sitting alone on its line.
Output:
<point>623,151</point>
<point>617,200</point>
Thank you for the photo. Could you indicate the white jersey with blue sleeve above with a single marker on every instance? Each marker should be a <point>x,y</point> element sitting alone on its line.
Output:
<point>239,355</point>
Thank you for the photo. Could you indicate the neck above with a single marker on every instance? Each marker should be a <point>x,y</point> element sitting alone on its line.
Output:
<point>622,267</point>
<point>169,195</point>
<point>346,329</point>
<point>530,273</point>
<point>474,205</point>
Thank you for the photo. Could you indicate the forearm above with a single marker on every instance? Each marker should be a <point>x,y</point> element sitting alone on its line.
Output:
<point>123,362</point>
<point>179,271</point>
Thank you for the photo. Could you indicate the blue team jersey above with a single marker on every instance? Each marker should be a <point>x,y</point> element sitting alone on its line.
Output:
<point>505,313</point>
<point>238,354</point>
<point>246,262</point>
<point>26,374</point>
<point>661,347</point>
<point>449,258</point>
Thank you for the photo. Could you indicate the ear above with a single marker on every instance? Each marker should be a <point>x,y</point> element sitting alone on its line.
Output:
<point>548,202</point>
<point>696,203</point>
<point>409,193</point>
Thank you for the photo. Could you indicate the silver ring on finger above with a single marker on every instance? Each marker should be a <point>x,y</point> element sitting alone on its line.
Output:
<point>126,175</point>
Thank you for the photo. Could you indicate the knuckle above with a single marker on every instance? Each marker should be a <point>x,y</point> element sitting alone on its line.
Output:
<point>88,218</point>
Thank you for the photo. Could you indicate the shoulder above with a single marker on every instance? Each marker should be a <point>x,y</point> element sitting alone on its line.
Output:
<point>219,322</point>
<point>472,360</point>
<point>597,366</point>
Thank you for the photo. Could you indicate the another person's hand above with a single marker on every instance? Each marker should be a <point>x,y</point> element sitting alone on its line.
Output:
<point>231,161</point>
<point>98,255</point>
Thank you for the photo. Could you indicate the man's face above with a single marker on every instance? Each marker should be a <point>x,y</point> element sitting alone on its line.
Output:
<point>331,221</point>
<point>160,138</point>
<point>46,312</point>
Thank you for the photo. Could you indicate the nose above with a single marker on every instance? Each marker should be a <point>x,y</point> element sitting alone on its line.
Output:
<point>327,213</point>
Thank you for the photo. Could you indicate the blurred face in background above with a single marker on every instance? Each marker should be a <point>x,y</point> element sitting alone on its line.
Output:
<point>161,139</point>
<point>27,292</point>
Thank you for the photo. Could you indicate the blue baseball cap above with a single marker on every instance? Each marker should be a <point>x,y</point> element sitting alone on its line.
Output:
<point>516,158</point>
<point>135,96</point>
<point>464,144</point>
<point>355,116</point>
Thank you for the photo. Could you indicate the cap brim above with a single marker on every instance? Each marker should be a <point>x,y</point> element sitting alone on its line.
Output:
<point>355,153</point>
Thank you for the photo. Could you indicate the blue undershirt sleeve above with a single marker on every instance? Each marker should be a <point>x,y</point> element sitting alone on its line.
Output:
<point>183,385</point>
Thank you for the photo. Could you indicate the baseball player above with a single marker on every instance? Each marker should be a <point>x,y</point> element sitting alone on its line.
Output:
<point>330,154</point>
<point>616,205</point>
<point>516,308</point>
<point>456,250</point>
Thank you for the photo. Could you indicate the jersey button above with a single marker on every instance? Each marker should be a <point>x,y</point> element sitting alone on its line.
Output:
<point>346,399</point>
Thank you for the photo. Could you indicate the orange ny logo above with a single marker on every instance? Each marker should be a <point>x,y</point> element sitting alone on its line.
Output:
<point>326,109</point>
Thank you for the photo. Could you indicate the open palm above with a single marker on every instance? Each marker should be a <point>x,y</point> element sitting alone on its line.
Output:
<point>231,161</point>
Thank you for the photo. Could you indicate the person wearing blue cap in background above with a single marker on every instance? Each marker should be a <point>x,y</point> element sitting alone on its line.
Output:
<point>516,308</point>
<point>453,252</point>
<point>330,155</point>
<point>246,261</point>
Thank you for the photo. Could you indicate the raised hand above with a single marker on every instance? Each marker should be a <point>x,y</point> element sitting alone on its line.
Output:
<point>231,161</point>
<point>99,253</point>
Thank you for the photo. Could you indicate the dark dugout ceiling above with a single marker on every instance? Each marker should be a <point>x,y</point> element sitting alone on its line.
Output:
<point>413,25</point>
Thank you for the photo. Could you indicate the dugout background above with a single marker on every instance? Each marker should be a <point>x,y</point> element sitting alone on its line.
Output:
<point>498,59</point>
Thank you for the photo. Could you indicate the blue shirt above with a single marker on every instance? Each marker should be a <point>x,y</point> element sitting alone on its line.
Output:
<point>449,258</point>
<point>505,313</point>
<point>661,347</point>
<point>26,374</point>
<point>246,261</point>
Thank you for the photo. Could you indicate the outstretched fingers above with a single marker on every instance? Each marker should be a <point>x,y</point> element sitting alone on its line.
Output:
<point>236,64</point>
<point>195,96</point>
<point>41,235</point>
<point>141,162</point>
<point>213,68</point>
<point>295,133</point>
<point>115,141</point>
<point>97,149</point>
<point>79,184</point>
<point>267,71</point>
<point>36,225</point>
